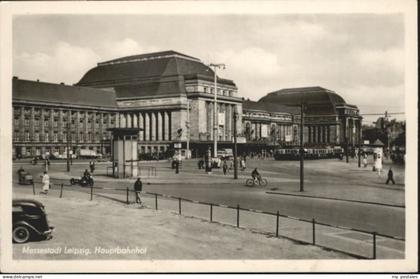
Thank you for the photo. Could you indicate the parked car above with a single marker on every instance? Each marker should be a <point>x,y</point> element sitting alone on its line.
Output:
<point>29,221</point>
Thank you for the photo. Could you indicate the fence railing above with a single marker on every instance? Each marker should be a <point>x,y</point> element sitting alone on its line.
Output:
<point>362,244</point>
<point>142,171</point>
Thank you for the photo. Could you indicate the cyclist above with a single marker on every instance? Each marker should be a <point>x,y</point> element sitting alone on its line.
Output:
<point>256,175</point>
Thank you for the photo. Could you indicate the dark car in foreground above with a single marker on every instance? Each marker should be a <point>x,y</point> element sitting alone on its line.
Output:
<point>29,221</point>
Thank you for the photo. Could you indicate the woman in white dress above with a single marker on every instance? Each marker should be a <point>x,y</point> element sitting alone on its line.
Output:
<point>45,183</point>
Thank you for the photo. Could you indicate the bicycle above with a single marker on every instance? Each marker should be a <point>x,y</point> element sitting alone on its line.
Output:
<point>250,182</point>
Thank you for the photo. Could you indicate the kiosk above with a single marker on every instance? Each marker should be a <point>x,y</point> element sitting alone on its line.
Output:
<point>124,152</point>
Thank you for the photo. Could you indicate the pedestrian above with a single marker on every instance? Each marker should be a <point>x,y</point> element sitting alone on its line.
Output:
<point>225,167</point>
<point>176,166</point>
<point>138,186</point>
<point>390,176</point>
<point>365,163</point>
<point>46,164</point>
<point>243,164</point>
<point>45,183</point>
<point>92,166</point>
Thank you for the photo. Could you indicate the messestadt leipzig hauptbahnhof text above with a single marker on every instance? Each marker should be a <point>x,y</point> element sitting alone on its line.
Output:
<point>170,96</point>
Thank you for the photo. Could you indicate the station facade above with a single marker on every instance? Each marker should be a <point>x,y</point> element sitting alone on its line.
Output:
<point>170,97</point>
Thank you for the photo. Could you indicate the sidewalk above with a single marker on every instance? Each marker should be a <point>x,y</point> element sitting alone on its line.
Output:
<point>89,226</point>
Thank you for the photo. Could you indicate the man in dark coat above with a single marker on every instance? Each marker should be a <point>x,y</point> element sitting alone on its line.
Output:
<point>138,186</point>
<point>390,176</point>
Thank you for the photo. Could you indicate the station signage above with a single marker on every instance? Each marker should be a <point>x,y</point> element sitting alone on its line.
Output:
<point>221,118</point>
<point>264,131</point>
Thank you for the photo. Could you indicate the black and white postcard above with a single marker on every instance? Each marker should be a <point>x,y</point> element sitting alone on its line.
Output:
<point>276,136</point>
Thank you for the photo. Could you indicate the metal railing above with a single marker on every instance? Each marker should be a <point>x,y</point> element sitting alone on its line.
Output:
<point>362,244</point>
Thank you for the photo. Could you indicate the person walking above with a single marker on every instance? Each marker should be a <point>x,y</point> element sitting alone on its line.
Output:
<point>390,176</point>
<point>365,162</point>
<point>45,183</point>
<point>225,167</point>
<point>92,166</point>
<point>46,164</point>
<point>138,186</point>
<point>243,164</point>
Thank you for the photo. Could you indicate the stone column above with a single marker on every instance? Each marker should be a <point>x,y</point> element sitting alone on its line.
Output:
<point>170,125</point>
<point>147,126</point>
<point>337,134</point>
<point>123,122</point>
<point>117,120</point>
<point>309,134</point>
<point>141,125</point>
<point>329,133</point>
<point>153,126</point>
<point>160,131</point>
<point>135,120</point>
<point>166,124</point>
<point>128,121</point>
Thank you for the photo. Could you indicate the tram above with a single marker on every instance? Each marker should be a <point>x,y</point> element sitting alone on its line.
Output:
<point>309,153</point>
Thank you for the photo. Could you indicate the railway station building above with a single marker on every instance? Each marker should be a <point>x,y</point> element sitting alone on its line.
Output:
<point>170,96</point>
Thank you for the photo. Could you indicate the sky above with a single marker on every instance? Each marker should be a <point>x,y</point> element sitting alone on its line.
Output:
<point>359,56</point>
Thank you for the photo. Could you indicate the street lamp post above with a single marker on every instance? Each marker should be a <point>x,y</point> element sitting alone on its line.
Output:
<point>216,126</point>
<point>301,150</point>
<point>235,145</point>
<point>68,146</point>
<point>360,145</point>
<point>187,125</point>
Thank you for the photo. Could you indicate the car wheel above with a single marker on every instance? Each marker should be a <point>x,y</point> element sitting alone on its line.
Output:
<point>72,182</point>
<point>21,234</point>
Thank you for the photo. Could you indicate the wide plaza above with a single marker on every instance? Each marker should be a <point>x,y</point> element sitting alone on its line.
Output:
<point>335,192</point>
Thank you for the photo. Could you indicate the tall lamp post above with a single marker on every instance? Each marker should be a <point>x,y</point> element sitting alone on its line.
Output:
<point>360,144</point>
<point>216,125</point>
<point>235,145</point>
<point>187,126</point>
<point>68,145</point>
<point>301,150</point>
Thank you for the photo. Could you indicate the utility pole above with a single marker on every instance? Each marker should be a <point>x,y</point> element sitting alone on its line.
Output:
<point>187,124</point>
<point>68,145</point>
<point>360,145</point>
<point>235,145</point>
<point>301,150</point>
<point>216,125</point>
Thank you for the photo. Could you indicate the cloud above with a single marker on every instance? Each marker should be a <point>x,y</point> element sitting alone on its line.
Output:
<point>127,46</point>
<point>66,63</point>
